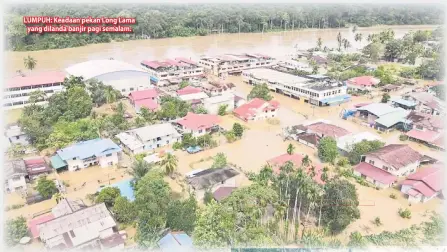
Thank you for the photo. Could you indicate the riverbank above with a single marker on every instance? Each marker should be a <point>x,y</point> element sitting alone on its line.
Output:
<point>277,44</point>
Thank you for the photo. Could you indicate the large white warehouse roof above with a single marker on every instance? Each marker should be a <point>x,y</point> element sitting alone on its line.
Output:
<point>94,68</point>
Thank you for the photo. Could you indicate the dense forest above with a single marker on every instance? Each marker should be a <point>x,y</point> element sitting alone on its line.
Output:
<point>160,21</point>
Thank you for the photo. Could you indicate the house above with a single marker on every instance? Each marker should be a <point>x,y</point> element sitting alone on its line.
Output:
<point>148,138</point>
<point>15,135</point>
<point>383,166</point>
<point>424,185</point>
<point>231,63</point>
<point>102,152</point>
<point>213,103</point>
<point>198,124</point>
<point>362,83</point>
<point>427,129</point>
<point>320,60</point>
<point>36,166</point>
<point>213,88</point>
<point>297,160</point>
<point>15,175</point>
<point>193,96</point>
<point>347,142</point>
<point>172,71</point>
<point>33,223</point>
<point>426,103</point>
<point>239,101</point>
<point>18,89</point>
<point>223,192</point>
<point>212,179</point>
<point>382,116</point>
<point>405,104</point>
<point>390,88</point>
<point>295,65</point>
<point>175,241</point>
<point>77,226</point>
<point>257,109</point>
<point>188,90</point>
<point>311,133</point>
<point>144,99</point>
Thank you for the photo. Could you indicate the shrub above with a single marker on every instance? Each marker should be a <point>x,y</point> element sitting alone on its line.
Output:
<point>231,137</point>
<point>393,196</point>
<point>65,183</point>
<point>403,137</point>
<point>222,109</point>
<point>343,162</point>
<point>177,146</point>
<point>46,187</point>
<point>406,214</point>
<point>16,206</point>
<point>208,197</point>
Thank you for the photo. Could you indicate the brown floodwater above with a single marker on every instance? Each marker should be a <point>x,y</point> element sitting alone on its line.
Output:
<point>275,44</point>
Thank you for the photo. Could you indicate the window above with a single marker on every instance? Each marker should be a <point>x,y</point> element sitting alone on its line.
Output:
<point>371,162</point>
<point>123,90</point>
<point>17,137</point>
<point>109,155</point>
<point>200,131</point>
<point>386,168</point>
<point>74,158</point>
<point>131,89</point>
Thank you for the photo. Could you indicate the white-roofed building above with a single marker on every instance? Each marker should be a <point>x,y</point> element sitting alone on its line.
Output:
<point>347,142</point>
<point>149,138</point>
<point>122,76</point>
<point>195,96</point>
<point>232,63</point>
<point>213,104</point>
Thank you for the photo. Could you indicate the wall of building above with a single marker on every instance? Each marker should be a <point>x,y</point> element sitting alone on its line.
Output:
<point>213,108</point>
<point>22,139</point>
<point>165,140</point>
<point>16,184</point>
<point>19,98</point>
<point>404,171</point>
<point>228,183</point>
<point>372,181</point>
<point>126,81</point>
<point>111,160</point>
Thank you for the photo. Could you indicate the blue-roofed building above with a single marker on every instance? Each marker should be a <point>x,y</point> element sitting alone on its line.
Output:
<point>175,241</point>
<point>125,187</point>
<point>102,152</point>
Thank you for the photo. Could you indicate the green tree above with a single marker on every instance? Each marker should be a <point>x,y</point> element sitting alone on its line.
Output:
<point>139,169</point>
<point>200,110</point>
<point>124,210</point>
<point>170,163</point>
<point>339,41</point>
<point>341,206</point>
<point>222,109</point>
<point>65,133</point>
<point>358,37</point>
<point>373,51</point>
<point>238,130</point>
<point>181,215</point>
<point>230,136</point>
<point>188,140</point>
<point>362,148</point>
<point>37,96</point>
<point>183,84</point>
<point>327,149</point>
<point>29,62</point>
<point>46,187</point>
<point>319,43</point>
<point>149,116</point>
<point>16,150</point>
<point>15,229</point>
<point>290,149</point>
<point>260,91</point>
<point>108,196</point>
<point>111,94</point>
<point>220,161</point>
<point>356,240</point>
<point>385,98</point>
<point>208,197</point>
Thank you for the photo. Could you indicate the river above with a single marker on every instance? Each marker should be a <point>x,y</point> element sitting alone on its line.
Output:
<point>277,44</point>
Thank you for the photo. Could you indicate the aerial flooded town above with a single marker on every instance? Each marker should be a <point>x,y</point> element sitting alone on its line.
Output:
<point>229,127</point>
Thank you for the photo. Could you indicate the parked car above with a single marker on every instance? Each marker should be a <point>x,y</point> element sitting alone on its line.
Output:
<point>193,150</point>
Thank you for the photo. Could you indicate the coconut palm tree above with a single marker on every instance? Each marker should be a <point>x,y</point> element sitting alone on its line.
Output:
<point>138,169</point>
<point>358,37</point>
<point>29,62</point>
<point>170,163</point>
<point>306,161</point>
<point>346,44</point>
<point>111,94</point>
<point>290,149</point>
<point>58,197</point>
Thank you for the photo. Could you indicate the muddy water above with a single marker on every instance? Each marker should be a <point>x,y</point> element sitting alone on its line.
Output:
<point>276,44</point>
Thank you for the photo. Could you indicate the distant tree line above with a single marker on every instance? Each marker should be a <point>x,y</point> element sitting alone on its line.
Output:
<point>181,20</point>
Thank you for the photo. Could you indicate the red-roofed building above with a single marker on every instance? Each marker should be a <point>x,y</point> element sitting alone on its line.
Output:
<point>172,71</point>
<point>397,159</point>
<point>144,99</point>
<point>424,185</point>
<point>32,224</point>
<point>427,129</point>
<point>18,88</point>
<point>36,166</point>
<point>374,175</point>
<point>311,134</point>
<point>189,90</point>
<point>198,124</point>
<point>362,83</point>
<point>257,109</point>
<point>296,159</point>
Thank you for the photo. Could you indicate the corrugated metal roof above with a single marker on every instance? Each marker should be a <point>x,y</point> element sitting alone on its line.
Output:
<point>95,147</point>
<point>94,68</point>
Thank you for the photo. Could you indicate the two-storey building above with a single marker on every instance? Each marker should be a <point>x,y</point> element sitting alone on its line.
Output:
<point>102,152</point>
<point>427,129</point>
<point>15,135</point>
<point>198,124</point>
<point>257,109</point>
<point>231,63</point>
<point>18,89</point>
<point>149,138</point>
<point>383,166</point>
<point>324,92</point>
<point>15,175</point>
<point>172,71</point>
